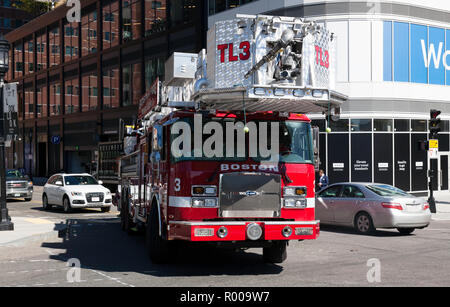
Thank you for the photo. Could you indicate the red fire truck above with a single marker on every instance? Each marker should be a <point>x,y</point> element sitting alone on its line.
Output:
<point>231,165</point>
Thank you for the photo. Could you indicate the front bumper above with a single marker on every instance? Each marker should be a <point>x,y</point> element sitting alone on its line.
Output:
<point>18,193</point>
<point>237,231</point>
<point>81,202</point>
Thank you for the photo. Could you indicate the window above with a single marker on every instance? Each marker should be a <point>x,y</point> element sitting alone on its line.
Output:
<point>352,192</point>
<point>72,96</point>
<point>132,89</point>
<point>29,61</point>
<point>153,68</point>
<point>131,19</point>
<point>339,126</point>
<point>111,88</point>
<point>41,52</point>
<point>89,33</point>
<point>29,103</point>
<point>89,100</point>
<point>155,16</point>
<point>110,24</point>
<point>71,33</point>
<point>383,125</point>
<point>41,103</point>
<point>361,125</point>
<point>402,125</point>
<point>55,99</point>
<point>419,125</point>
<point>331,192</point>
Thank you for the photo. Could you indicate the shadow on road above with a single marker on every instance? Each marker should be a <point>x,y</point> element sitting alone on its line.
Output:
<point>351,231</point>
<point>100,244</point>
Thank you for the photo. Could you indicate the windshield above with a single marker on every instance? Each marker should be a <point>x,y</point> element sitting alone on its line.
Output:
<point>224,139</point>
<point>79,180</point>
<point>14,174</point>
<point>387,190</point>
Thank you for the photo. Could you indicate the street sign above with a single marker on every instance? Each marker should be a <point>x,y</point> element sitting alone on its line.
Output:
<point>56,139</point>
<point>10,117</point>
<point>434,144</point>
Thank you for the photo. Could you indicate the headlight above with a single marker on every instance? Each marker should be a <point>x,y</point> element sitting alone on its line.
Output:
<point>295,191</point>
<point>76,193</point>
<point>204,202</point>
<point>295,203</point>
<point>204,190</point>
<point>30,183</point>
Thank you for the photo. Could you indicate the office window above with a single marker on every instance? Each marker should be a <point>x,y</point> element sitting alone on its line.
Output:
<point>110,24</point>
<point>131,19</point>
<point>184,11</point>
<point>155,16</point>
<point>132,87</point>
<point>111,88</point>
<point>89,99</point>
<point>55,99</point>
<point>89,33</point>
<point>41,102</point>
<point>419,125</point>
<point>383,125</point>
<point>72,96</point>
<point>29,103</point>
<point>29,61</point>
<point>41,52</point>
<point>361,125</point>
<point>18,59</point>
<point>153,68</point>
<point>71,34</point>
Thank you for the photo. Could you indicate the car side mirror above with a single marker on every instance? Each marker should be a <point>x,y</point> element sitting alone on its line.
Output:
<point>100,182</point>
<point>59,183</point>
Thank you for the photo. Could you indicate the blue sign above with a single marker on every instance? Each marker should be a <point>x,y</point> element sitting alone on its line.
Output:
<point>56,139</point>
<point>416,53</point>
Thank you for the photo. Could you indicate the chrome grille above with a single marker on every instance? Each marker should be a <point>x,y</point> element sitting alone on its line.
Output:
<point>250,195</point>
<point>17,185</point>
<point>89,197</point>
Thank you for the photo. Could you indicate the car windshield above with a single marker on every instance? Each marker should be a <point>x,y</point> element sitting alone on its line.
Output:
<point>294,141</point>
<point>387,190</point>
<point>79,180</point>
<point>14,174</point>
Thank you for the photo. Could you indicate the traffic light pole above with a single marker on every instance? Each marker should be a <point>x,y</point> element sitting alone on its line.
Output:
<point>431,200</point>
<point>434,128</point>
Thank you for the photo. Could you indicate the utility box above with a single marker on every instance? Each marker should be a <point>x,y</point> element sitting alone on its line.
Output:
<point>180,68</point>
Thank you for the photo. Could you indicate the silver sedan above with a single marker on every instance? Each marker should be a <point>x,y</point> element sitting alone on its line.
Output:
<point>368,206</point>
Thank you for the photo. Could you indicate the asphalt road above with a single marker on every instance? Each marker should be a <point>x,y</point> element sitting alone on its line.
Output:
<point>109,257</point>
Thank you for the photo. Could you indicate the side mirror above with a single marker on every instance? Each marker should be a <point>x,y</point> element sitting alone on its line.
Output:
<point>100,182</point>
<point>59,183</point>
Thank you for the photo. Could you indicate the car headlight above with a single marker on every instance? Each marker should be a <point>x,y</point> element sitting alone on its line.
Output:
<point>204,202</point>
<point>199,190</point>
<point>295,191</point>
<point>76,193</point>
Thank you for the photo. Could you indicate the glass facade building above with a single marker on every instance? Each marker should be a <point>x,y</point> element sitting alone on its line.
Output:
<point>76,80</point>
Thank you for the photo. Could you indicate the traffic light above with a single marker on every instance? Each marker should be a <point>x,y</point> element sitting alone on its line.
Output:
<point>435,123</point>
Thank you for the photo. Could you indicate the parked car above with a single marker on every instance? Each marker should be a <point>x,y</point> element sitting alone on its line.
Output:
<point>368,206</point>
<point>73,191</point>
<point>18,185</point>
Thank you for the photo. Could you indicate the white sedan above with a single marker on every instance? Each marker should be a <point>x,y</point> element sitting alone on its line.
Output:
<point>73,191</point>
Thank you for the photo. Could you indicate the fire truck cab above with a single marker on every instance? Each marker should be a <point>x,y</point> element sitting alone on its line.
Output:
<point>223,152</point>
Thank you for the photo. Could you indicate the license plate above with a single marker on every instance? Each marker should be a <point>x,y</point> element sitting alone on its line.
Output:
<point>16,195</point>
<point>304,231</point>
<point>95,199</point>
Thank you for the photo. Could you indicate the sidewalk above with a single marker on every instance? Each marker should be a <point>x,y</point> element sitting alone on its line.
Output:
<point>29,229</point>
<point>442,206</point>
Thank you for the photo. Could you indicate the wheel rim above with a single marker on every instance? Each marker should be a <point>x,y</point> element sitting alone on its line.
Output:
<point>363,223</point>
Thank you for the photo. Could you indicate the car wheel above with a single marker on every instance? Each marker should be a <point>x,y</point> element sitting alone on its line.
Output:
<point>66,205</point>
<point>406,231</point>
<point>106,209</point>
<point>364,224</point>
<point>45,203</point>
<point>277,253</point>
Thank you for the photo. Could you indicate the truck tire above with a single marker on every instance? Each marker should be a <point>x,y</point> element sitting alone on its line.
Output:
<point>277,253</point>
<point>125,222</point>
<point>158,248</point>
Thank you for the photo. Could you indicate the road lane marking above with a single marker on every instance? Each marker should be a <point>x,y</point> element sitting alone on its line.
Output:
<point>38,221</point>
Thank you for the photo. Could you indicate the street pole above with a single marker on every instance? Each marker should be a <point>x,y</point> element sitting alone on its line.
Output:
<point>5,220</point>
